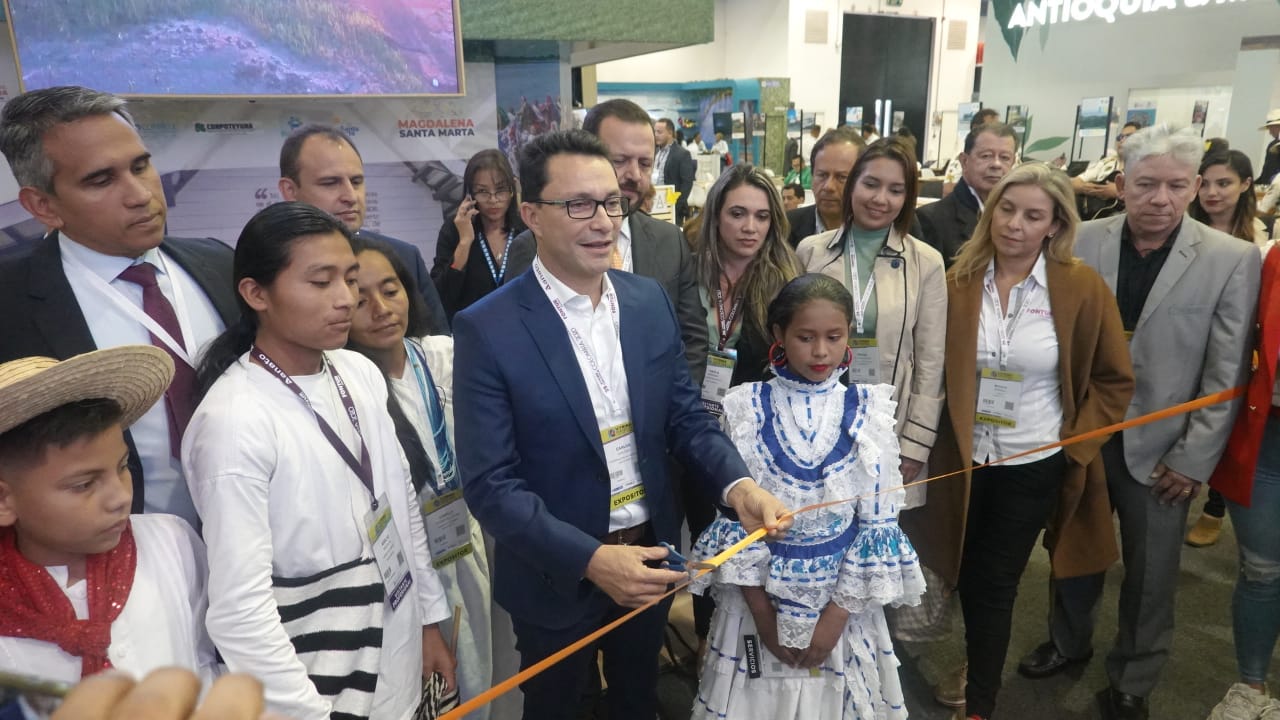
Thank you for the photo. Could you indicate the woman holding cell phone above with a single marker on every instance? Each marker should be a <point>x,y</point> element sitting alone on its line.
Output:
<point>471,251</point>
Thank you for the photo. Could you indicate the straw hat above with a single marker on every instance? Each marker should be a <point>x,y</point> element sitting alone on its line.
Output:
<point>135,376</point>
<point>1273,118</point>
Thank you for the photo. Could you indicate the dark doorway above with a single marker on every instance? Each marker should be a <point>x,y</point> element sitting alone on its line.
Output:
<point>887,57</point>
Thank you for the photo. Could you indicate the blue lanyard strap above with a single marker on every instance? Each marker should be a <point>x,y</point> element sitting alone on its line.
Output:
<point>448,470</point>
<point>498,274</point>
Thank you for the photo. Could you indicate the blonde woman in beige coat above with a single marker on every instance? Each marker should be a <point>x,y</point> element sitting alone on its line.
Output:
<point>899,289</point>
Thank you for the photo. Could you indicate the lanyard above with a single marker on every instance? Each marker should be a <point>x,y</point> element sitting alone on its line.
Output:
<point>497,273</point>
<point>363,468</point>
<point>115,297</point>
<point>1005,326</point>
<point>435,412</point>
<point>579,342</point>
<point>861,295</point>
<point>726,324</point>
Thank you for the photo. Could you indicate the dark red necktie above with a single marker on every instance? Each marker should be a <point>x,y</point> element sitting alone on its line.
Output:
<point>179,399</point>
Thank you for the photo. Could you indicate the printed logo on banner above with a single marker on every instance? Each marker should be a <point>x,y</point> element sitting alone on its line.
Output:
<point>156,129</point>
<point>426,127</point>
<point>228,128</point>
<point>293,122</point>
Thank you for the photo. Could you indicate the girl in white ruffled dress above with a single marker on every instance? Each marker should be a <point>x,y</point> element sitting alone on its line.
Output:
<point>799,630</point>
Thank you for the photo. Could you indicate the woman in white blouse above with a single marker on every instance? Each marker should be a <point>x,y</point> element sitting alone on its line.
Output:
<point>1035,353</point>
<point>389,327</point>
<point>293,464</point>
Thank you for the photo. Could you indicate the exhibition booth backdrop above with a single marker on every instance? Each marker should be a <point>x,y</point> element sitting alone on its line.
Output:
<point>219,158</point>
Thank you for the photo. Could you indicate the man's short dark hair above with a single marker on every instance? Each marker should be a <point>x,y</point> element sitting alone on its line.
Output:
<point>796,189</point>
<point>621,108</point>
<point>291,151</point>
<point>869,127</point>
<point>671,127</point>
<point>998,129</point>
<point>1133,124</point>
<point>26,444</point>
<point>28,117</point>
<point>535,156</point>
<point>835,137</point>
<point>984,116</point>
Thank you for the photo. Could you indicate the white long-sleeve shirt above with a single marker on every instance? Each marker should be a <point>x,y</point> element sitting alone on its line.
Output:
<point>277,499</point>
<point>162,623</point>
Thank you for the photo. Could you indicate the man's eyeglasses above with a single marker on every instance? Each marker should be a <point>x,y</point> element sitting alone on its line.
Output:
<point>585,208</point>
<point>1123,136</point>
<point>486,196</point>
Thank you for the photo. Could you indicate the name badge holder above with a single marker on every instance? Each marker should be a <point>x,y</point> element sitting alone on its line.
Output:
<point>721,361</point>
<point>865,365</point>
<point>999,395</point>
<point>1000,390</point>
<point>625,484</point>
<point>445,514</point>
<point>380,526</point>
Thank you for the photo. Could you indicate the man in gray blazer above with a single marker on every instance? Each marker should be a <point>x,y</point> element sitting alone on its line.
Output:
<point>1187,296</point>
<point>645,246</point>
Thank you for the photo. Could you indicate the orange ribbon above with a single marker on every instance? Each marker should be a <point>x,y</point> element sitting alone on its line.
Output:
<point>510,683</point>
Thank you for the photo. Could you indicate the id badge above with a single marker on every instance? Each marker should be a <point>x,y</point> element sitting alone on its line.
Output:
<point>715,384</point>
<point>392,563</point>
<point>625,485</point>
<point>448,528</point>
<point>865,368</point>
<point>999,394</point>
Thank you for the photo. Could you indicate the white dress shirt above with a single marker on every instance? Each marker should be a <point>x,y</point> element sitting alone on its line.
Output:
<point>1033,352</point>
<point>600,327</point>
<point>110,326</point>
<point>161,624</point>
<point>278,501</point>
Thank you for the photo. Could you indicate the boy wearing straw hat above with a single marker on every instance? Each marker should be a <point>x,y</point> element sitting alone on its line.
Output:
<point>83,585</point>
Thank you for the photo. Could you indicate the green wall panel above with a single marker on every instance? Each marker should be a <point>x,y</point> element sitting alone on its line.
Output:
<point>682,22</point>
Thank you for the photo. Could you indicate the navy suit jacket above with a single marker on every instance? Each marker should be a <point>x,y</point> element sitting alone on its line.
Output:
<point>533,468</point>
<point>42,317</point>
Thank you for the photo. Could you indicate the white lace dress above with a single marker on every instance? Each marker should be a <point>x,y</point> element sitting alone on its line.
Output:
<point>809,443</point>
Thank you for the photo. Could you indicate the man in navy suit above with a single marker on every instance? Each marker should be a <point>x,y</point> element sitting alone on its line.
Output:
<point>320,166</point>
<point>570,387</point>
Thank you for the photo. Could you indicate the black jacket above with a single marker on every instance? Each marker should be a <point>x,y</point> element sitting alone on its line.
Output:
<point>42,316</point>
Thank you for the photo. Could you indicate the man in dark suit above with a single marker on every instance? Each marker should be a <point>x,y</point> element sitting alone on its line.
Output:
<point>106,274</point>
<point>645,246</point>
<point>833,157</point>
<point>570,387</point>
<point>321,166</point>
<point>989,155</point>
<point>673,165</point>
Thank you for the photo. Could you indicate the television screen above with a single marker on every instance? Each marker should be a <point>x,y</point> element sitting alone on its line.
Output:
<point>239,47</point>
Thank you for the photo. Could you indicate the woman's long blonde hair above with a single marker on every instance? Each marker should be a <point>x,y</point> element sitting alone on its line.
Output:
<point>774,265</point>
<point>976,253</point>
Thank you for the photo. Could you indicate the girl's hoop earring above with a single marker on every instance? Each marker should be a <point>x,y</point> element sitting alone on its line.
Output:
<point>777,354</point>
<point>848,358</point>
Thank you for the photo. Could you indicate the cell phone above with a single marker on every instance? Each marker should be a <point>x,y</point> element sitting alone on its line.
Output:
<point>40,696</point>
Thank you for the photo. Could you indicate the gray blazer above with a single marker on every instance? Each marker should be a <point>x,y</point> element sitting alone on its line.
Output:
<point>658,251</point>
<point>1193,338</point>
